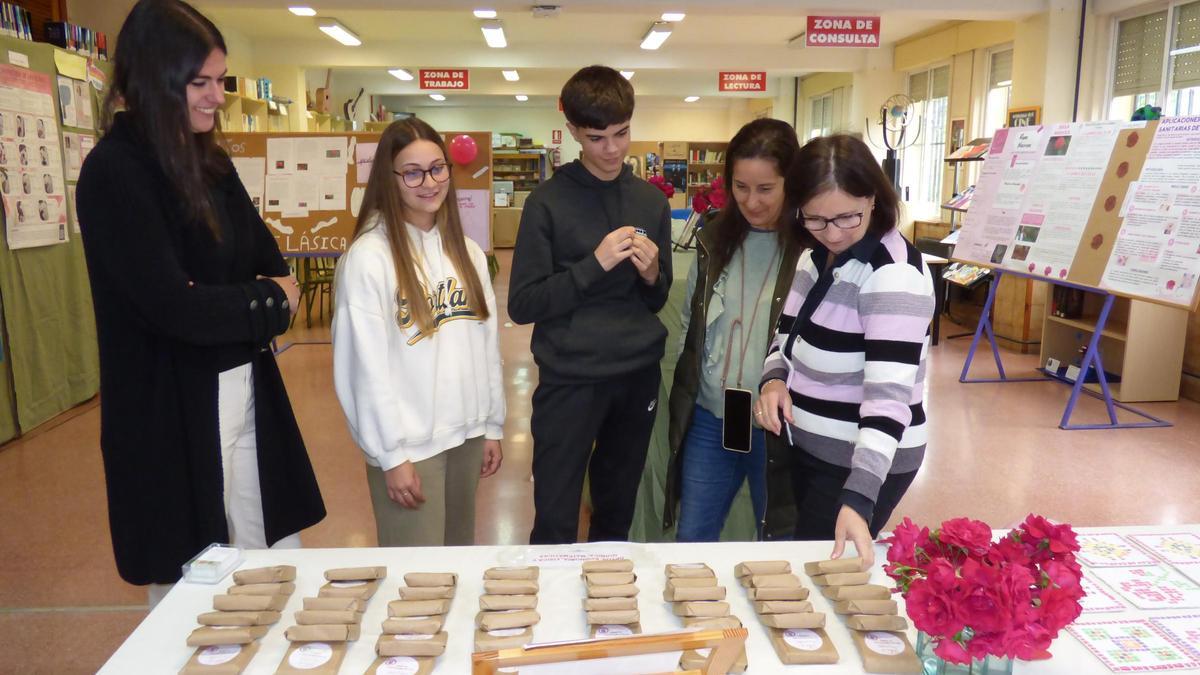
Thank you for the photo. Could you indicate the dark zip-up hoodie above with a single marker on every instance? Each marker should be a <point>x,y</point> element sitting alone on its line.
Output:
<point>589,324</point>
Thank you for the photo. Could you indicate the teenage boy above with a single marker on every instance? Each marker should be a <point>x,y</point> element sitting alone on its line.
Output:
<point>591,267</point>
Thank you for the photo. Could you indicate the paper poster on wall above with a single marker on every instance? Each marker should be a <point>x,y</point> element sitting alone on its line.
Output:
<point>66,102</point>
<point>1059,201</point>
<point>281,156</point>
<point>252,172</point>
<point>1157,251</point>
<point>364,156</point>
<point>76,148</point>
<point>1004,182</point>
<point>32,179</point>
<point>332,157</point>
<point>83,106</point>
<point>475,211</point>
<point>333,192</point>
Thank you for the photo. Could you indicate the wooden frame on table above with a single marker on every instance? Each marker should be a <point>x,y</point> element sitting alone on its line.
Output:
<point>726,645</point>
<point>1029,116</point>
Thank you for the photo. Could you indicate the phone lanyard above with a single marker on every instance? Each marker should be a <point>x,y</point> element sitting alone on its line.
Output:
<point>739,325</point>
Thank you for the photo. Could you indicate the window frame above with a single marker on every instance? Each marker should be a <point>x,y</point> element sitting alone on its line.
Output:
<point>921,205</point>
<point>1166,79</point>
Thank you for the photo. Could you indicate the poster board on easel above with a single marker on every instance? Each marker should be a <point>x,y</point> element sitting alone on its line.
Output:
<point>309,186</point>
<point>1108,205</point>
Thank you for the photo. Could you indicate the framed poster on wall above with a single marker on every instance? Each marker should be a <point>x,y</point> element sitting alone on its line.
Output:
<point>1024,117</point>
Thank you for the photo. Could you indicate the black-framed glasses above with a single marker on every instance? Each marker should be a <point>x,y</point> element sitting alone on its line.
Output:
<point>414,178</point>
<point>847,221</point>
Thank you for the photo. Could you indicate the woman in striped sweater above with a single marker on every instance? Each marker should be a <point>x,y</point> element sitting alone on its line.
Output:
<point>844,376</point>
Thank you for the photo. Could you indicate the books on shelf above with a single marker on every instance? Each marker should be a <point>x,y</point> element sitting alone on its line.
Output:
<point>974,150</point>
<point>961,200</point>
<point>15,21</point>
<point>700,177</point>
<point>700,156</point>
<point>964,274</point>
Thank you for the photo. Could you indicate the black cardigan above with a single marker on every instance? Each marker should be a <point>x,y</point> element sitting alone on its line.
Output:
<point>173,309</point>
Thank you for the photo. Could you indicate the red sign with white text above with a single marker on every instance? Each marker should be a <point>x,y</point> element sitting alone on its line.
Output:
<point>741,81</point>
<point>444,79</point>
<point>843,31</point>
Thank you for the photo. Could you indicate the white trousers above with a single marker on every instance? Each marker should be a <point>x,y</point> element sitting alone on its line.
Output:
<point>239,460</point>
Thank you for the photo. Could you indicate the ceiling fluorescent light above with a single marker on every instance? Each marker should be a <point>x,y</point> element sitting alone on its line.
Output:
<point>511,75</point>
<point>673,16</point>
<point>627,74</point>
<point>493,34</point>
<point>522,98</point>
<point>334,29</point>
<point>437,97</point>
<point>401,74</point>
<point>485,14</point>
<point>1185,50</point>
<point>657,35</point>
<point>691,99</point>
<point>302,11</point>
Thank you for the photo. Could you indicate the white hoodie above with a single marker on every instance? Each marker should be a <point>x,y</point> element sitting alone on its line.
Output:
<point>409,396</point>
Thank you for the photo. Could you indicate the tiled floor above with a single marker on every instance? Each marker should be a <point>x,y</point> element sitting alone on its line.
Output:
<point>996,453</point>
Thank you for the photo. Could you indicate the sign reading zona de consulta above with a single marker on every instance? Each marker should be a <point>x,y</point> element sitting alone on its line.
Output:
<point>741,81</point>
<point>445,79</point>
<point>842,31</point>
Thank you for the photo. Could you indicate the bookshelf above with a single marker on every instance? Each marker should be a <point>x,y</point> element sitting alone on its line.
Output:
<point>525,167</point>
<point>706,163</point>
<point>242,113</point>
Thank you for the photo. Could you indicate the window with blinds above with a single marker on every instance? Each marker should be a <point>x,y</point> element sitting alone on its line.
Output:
<point>1185,48</point>
<point>1001,69</point>
<point>1139,64</point>
<point>999,93</point>
<point>1158,62</point>
<point>921,166</point>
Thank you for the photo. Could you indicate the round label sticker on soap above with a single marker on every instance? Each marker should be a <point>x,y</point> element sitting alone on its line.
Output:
<point>399,665</point>
<point>218,654</point>
<point>802,638</point>
<point>310,655</point>
<point>506,632</point>
<point>884,643</point>
<point>411,636</point>
<point>610,630</point>
<point>347,584</point>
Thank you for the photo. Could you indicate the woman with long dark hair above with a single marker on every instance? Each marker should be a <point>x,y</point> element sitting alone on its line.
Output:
<point>844,378</point>
<point>199,441</point>
<point>744,264</point>
<point>416,355</point>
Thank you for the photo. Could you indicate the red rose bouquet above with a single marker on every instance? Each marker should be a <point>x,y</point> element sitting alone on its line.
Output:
<point>975,597</point>
<point>711,196</point>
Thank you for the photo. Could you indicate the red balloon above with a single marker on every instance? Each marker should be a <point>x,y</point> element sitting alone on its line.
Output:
<point>463,149</point>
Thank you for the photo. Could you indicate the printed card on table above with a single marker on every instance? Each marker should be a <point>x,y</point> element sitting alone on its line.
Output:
<point>1177,548</point>
<point>1184,629</point>
<point>1111,550</point>
<point>1097,598</point>
<point>1133,646</point>
<point>1151,587</point>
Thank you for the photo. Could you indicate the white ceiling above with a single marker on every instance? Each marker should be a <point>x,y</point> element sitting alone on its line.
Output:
<point>716,35</point>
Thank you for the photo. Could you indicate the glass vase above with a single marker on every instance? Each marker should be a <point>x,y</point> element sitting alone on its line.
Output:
<point>932,664</point>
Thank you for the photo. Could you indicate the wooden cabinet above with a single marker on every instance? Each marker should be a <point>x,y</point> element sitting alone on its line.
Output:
<point>525,168</point>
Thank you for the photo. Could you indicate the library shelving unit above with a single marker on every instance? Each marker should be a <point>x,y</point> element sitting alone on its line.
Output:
<point>706,161</point>
<point>319,122</point>
<point>242,113</point>
<point>525,167</point>
<point>1142,345</point>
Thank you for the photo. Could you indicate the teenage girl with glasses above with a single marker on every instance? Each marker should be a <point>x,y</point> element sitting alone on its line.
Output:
<point>415,353</point>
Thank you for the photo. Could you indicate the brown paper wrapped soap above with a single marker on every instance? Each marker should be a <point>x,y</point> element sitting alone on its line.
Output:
<point>608,566</point>
<point>810,620</point>
<point>249,603</point>
<point>778,593</point>
<point>865,607</point>
<point>510,587</point>
<point>323,633</point>
<point>313,658</point>
<point>673,594</point>
<point>238,618</point>
<point>355,573</point>
<point>884,652</point>
<point>838,566</point>
<point>494,603</point>
<point>514,573</point>
<point>782,606</point>
<point>334,604</point>
<point>608,630</point>
<point>712,622</point>
<point>842,579</point>
<point>759,567</point>
<point>418,607</point>
<point>357,588</point>
<point>422,625</point>
<point>876,622</point>
<point>411,645</point>
<point>609,578</point>
<point>317,617</point>
<point>206,636</point>
<point>700,608</point>
<point>426,592</point>
<point>693,582</point>
<point>609,604</point>
<point>220,659</point>
<point>505,638</point>
<point>622,617</point>
<point>796,646</point>
<point>282,588</point>
<point>865,592</point>
<point>686,570</point>
<point>265,575</point>
<point>629,590</point>
<point>431,579</point>
<point>508,619</point>
<point>409,665</point>
<point>774,581</point>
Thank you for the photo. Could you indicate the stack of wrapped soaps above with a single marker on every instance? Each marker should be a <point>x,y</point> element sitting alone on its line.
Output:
<point>870,613</point>
<point>696,597</point>
<point>413,634</point>
<point>611,602</point>
<point>330,620</point>
<point>507,608</point>
<point>796,632</point>
<point>228,637</point>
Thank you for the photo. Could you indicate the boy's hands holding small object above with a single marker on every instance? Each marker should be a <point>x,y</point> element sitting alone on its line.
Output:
<point>645,256</point>
<point>615,247</point>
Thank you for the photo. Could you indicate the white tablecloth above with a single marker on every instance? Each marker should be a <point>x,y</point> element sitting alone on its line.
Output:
<point>158,644</point>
